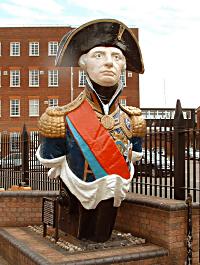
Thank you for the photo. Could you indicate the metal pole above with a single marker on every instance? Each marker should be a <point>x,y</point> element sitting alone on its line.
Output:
<point>25,156</point>
<point>189,230</point>
<point>179,153</point>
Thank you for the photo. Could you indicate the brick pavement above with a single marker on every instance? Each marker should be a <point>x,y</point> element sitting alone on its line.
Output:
<point>38,250</point>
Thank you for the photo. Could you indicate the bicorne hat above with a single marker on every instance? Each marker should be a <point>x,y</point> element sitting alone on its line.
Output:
<point>102,32</point>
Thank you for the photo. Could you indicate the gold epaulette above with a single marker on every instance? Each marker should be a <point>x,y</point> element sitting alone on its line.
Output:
<point>52,121</point>
<point>131,110</point>
<point>139,126</point>
<point>138,122</point>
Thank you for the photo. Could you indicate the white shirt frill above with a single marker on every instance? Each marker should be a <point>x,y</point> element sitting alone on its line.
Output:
<point>88,193</point>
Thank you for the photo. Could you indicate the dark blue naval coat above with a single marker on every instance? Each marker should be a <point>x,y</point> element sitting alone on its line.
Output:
<point>127,132</point>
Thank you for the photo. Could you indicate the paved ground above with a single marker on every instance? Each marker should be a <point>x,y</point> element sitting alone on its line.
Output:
<point>3,261</point>
<point>36,247</point>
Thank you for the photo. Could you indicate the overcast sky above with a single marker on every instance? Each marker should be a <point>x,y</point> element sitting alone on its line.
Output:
<point>168,34</point>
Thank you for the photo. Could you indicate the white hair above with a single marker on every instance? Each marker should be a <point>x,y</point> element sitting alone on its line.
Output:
<point>83,61</point>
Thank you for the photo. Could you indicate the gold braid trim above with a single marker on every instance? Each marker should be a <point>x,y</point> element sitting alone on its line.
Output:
<point>139,126</point>
<point>52,124</point>
<point>52,121</point>
<point>138,122</point>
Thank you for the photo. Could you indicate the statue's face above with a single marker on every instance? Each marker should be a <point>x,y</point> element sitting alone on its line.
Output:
<point>104,65</point>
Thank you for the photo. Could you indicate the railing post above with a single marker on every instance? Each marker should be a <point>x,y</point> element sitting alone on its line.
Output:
<point>179,153</point>
<point>189,230</point>
<point>25,156</point>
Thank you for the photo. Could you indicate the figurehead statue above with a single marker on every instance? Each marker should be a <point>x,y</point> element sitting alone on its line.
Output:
<point>92,142</point>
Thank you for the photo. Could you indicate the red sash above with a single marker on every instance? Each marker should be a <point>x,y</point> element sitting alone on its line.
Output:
<point>98,140</point>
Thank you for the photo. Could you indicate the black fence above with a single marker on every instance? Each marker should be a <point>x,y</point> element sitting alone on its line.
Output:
<point>171,157</point>
<point>169,167</point>
<point>18,163</point>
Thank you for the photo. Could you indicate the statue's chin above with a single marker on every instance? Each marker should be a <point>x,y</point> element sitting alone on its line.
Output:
<point>107,81</point>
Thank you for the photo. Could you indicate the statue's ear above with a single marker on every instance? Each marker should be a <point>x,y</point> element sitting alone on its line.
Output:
<point>83,61</point>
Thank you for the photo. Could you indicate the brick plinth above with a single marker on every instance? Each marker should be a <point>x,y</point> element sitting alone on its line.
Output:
<point>162,222</point>
<point>22,208</point>
<point>20,246</point>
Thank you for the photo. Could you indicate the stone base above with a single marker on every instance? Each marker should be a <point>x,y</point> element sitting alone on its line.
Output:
<point>21,246</point>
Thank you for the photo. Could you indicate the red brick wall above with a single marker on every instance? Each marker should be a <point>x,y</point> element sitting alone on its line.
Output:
<point>162,222</point>
<point>44,62</point>
<point>21,208</point>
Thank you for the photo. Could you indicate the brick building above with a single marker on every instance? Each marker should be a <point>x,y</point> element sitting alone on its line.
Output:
<point>30,82</point>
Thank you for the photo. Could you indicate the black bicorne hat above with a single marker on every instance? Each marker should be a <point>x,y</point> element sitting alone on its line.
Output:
<point>102,32</point>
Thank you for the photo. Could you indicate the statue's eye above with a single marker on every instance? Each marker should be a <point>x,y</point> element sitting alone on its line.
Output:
<point>117,57</point>
<point>98,55</point>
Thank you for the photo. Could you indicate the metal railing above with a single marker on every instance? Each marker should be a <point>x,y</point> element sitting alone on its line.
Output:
<point>170,167</point>
<point>18,163</point>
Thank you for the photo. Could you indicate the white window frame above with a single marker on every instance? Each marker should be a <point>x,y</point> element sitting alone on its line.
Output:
<point>122,101</point>
<point>52,48</point>
<point>34,48</point>
<point>34,105</point>
<point>14,141</point>
<point>82,78</point>
<point>53,78</point>
<point>14,48</point>
<point>14,78</point>
<point>15,107</point>
<point>53,102</point>
<point>34,138</point>
<point>123,78</point>
<point>34,78</point>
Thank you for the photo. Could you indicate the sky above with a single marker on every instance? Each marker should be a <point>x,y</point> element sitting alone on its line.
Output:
<point>168,35</point>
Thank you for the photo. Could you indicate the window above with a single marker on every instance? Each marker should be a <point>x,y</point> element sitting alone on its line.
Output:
<point>34,107</point>
<point>187,114</point>
<point>160,114</point>
<point>15,49</point>
<point>152,114</point>
<point>33,78</point>
<point>122,101</point>
<point>33,48</point>
<point>15,143</point>
<point>14,108</point>
<point>144,114</point>
<point>14,78</point>
<point>34,135</point>
<point>172,114</point>
<point>53,102</point>
<point>53,78</point>
<point>34,140</point>
<point>82,78</point>
<point>123,78</point>
<point>52,48</point>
